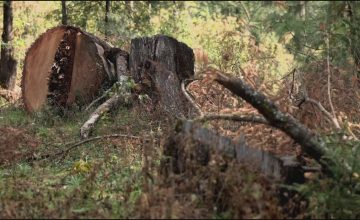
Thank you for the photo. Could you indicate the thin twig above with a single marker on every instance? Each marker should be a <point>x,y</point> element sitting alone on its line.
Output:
<point>323,110</point>
<point>95,101</point>
<point>73,144</point>
<point>329,82</point>
<point>190,99</point>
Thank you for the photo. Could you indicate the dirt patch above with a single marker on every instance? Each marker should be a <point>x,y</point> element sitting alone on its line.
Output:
<point>15,144</point>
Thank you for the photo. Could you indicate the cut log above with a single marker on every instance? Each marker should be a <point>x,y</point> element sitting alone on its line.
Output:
<point>178,152</point>
<point>161,63</point>
<point>63,66</point>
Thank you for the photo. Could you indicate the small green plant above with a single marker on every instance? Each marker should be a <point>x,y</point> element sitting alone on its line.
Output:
<point>339,196</point>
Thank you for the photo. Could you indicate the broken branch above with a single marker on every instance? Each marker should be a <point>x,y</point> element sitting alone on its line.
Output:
<point>323,110</point>
<point>75,144</point>
<point>188,97</point>
<point>95,116</point>
<point>310,143</point>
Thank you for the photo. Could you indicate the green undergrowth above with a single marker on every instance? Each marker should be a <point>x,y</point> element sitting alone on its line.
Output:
<point>336,197</point>
<point>100,179</point>
<point>109,178</point>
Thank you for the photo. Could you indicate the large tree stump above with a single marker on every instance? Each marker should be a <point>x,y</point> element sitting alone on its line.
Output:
<point>64,65</point>
<point>161,63</point>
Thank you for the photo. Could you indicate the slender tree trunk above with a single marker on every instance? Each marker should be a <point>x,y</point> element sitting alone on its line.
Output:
<point>351,8</point>
<point>302,10</point>
<point>64,13</point>
<point>107,13</point>
<point>7,63</point>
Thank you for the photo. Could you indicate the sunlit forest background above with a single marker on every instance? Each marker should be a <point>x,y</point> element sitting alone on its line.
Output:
<point>272,37</point>
<point>284,49</point>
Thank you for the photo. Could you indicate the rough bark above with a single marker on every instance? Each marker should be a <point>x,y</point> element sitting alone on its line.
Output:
<point>66,65</point>
<point>178,150</point>
<point>175,56</point>
<point>161,63</point>
<point>310,143</point>
<point>63,13</point>
<point>7,62</point>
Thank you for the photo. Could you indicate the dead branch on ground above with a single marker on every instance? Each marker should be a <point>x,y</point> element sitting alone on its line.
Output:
<point>95,116</point>
<point>188,97</point>
<point>74,144</point>
<point>311,143</point>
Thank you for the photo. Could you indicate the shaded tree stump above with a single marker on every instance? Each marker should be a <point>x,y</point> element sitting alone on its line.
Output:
<point>66,65</point>
<point>160,64</point>
<point>191,142</point>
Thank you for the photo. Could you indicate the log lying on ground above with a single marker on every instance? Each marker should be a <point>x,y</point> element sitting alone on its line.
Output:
<point>309,142</point>
<point>178,151</point>
<point>64,65</point>
<point>160,64</point>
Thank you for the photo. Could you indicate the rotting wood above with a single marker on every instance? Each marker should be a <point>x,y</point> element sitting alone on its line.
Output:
<point>205,141</point>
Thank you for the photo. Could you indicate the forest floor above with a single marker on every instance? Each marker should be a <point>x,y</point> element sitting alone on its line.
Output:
<point>119,177</point>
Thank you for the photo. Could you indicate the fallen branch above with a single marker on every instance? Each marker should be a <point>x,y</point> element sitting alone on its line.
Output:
<point>97,100</point>
<point>95,116</point>
<point>188,97</point>
<point>230,117</point>
<point>310,143</point>
<point>323,110</point>
<point>75,144</point>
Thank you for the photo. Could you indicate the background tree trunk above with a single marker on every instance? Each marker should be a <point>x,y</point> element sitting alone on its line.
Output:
<point>64,13</point>
<point>8,63</point>
<point>107,13</point>
<point>354,34</point>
